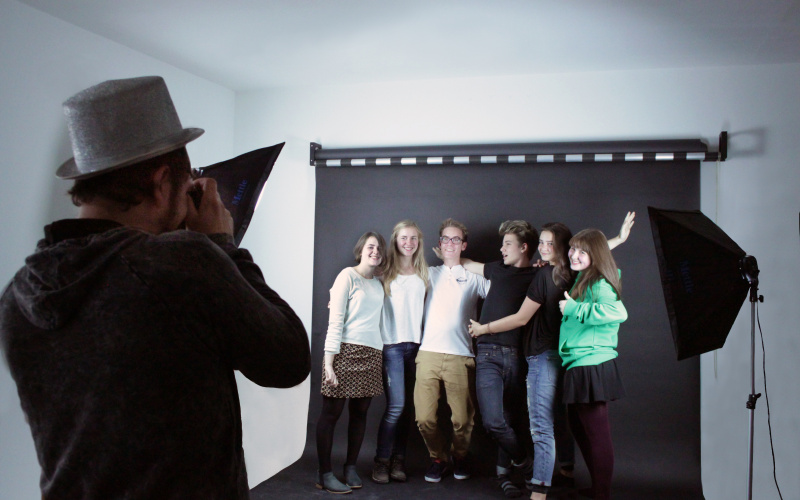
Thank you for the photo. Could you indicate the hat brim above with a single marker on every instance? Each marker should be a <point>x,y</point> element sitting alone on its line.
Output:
<point>70,169</point>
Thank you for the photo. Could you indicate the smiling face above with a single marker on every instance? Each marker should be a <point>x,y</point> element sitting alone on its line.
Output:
<point>546,242</point>
<point>579,259</point>
<point>371,253</point>
<point>407,241</point>
<point>451,251</point>
<point>512,250</point>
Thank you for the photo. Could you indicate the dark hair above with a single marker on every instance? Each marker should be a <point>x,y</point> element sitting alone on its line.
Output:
<point>363,241</point>
<point>562,274</point>
<point>453,223</point>
<point>602,266</point>
<point>131,185</point>
<point>524,232</point>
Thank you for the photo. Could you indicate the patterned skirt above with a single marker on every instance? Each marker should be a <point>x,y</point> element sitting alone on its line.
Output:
<point>359,370</point>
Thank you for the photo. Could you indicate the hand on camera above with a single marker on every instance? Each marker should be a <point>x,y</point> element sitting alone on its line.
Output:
<point>211,217</point>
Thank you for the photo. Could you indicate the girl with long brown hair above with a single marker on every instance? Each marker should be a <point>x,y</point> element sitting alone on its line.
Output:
<point>592,312</point>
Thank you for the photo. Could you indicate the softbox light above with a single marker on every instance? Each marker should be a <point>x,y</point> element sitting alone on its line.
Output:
<point>240,181</point>
<point>702,277</point>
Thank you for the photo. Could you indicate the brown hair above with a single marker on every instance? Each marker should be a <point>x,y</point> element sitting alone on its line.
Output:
<point>602,266</point>
<point>363,241</point>
<point>562,274</point>
<point>393,259</point>
<point>524,232</point>
<point>450,222</point>
<point>131,185</point>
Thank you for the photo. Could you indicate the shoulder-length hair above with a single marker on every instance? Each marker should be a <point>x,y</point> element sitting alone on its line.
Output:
<point>602,266</point>
<point>562,274</point>
<point>363,241</point>
<point>393,256</point>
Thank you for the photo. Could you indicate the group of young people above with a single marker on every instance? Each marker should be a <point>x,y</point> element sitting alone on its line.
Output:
<point>400,327</point>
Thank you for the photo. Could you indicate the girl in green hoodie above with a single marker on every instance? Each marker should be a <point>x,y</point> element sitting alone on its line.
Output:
<point>587,345</point>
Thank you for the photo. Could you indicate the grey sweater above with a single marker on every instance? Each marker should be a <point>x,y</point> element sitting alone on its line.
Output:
<point>123,346</point>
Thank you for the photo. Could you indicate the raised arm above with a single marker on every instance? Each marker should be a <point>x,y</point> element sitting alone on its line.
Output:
<point>624,231</point>
<point>516,320</point>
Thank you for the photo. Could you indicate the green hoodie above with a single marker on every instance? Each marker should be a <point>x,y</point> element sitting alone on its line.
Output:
<point>589,327</point>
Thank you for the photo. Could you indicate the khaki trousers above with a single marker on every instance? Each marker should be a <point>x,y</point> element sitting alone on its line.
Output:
<point>457,374</point>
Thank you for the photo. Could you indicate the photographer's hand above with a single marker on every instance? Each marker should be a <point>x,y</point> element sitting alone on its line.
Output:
<point>211,217</point>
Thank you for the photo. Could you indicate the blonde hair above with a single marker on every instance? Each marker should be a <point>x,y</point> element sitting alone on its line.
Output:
<point>393,256</point>
<point>602,265</point>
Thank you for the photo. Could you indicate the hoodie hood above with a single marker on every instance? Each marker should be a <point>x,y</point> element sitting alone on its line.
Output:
<point>67,265</point>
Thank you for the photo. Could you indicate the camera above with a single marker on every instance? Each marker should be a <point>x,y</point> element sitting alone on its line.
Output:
<point>196,193</point>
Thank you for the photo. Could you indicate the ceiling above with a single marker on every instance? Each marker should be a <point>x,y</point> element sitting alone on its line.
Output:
<point>253,44</point>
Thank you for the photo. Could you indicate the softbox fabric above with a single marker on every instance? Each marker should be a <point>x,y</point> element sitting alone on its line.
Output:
<point>240,181</point>
<point>701,277</point>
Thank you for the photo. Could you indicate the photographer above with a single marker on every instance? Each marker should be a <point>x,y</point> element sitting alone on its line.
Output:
<point>122,331</point>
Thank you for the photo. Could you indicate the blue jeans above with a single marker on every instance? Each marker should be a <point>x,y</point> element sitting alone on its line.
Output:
<point>499,381</point>
<point>398,384</point>
<point>544,375</point>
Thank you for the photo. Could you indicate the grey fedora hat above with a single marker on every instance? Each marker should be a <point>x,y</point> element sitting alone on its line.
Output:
<point>121,122</point>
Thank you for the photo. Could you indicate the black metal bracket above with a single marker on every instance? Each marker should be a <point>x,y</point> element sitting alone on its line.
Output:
<point>314,147</point>
<point>723,145</point>
<point>751,401</point>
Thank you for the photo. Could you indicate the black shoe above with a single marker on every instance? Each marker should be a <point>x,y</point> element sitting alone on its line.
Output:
<point>397,469</point>
<point>436,471</point>
<point>329,483</point>
<point>351,477</point>
<point>510,490</point>
<point>380,471</point>
<point>460,470</point>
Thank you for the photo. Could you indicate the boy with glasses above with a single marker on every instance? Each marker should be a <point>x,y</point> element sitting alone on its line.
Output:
<point>445,355</point>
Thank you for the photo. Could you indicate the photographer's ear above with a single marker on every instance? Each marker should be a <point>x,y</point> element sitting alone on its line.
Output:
<point>162,185</point>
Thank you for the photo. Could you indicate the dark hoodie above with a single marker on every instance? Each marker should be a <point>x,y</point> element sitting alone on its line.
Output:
<point>123,346</point>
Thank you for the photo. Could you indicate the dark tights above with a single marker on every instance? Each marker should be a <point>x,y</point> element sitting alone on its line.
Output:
<point>592,432</point>
<point>331,411</point>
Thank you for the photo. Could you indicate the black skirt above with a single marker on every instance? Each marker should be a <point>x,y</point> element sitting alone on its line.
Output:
<point>594,383</point>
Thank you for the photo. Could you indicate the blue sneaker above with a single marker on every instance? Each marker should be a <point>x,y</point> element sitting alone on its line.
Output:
<point>436,471</point>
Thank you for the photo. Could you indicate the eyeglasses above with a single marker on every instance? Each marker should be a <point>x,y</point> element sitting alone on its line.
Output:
<point>444,240</point>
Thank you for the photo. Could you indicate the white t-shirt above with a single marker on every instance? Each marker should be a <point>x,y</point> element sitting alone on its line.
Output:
<point>452,301</point>
<point>355,313</point>
<point>401,320</point>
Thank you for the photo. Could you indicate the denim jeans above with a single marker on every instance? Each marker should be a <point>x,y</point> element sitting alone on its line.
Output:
<point>544,375</point>
<point>499,379</point>
<point>398,385</point>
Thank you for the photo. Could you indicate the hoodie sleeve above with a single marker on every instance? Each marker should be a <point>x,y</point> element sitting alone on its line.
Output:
<point>603,308</point>
<point>219,291</point>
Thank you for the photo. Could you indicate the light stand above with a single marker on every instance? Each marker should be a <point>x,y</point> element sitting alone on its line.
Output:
<point>750,272</point>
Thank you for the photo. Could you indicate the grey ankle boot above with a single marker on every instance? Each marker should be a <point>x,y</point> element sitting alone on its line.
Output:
<point>328,482</point>
<point>351,477</point>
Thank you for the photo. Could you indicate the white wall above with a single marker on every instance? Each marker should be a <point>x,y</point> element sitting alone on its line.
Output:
<point>757,203</point>
<point>44,61</point>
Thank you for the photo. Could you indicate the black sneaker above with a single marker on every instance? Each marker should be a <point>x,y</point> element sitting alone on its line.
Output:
<point>510,490</point>
<point>436,471</point>
<point>460,470</point>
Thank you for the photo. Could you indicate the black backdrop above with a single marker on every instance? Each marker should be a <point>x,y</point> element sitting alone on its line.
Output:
<point>656,428</point>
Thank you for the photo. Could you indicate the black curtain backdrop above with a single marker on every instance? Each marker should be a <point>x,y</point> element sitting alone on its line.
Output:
<point>656,428</point>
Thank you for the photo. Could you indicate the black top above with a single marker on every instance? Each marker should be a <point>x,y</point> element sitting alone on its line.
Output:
<point>505,297</point>
<point>542,332</point>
